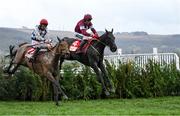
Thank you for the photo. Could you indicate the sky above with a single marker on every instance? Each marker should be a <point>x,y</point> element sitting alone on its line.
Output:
<point>152,16</point>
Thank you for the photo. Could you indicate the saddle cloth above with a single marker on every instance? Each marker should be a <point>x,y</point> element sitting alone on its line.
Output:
<point>76,44</point>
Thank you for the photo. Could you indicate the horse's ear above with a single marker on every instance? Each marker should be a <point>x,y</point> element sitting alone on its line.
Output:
<point>59,39</point>
<point>106,30</point>
<point>112,30</point>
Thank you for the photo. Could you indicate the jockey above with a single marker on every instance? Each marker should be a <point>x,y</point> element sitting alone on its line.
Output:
<point>81,29</point>
<point>39,38</point>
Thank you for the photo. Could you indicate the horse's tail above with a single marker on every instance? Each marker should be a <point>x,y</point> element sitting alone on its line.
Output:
<point>12,52</point>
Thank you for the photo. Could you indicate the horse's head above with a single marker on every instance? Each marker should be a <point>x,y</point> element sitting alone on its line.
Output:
<point>63,48</point>
<point>109,40</point>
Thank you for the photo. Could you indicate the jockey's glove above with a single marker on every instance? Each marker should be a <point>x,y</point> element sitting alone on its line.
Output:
<point>95,36</point>
<point>40,39</point>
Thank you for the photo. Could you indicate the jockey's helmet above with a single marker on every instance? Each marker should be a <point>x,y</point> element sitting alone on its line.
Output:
<point>87,17</point>
<point>43,22</point>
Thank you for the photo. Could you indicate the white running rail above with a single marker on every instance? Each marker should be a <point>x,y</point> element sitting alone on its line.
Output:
<point>142,59</point>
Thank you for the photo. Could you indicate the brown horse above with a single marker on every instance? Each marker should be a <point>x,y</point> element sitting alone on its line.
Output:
<point>45,65</point>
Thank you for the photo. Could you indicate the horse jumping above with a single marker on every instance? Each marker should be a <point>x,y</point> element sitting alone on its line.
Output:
<point>46,64</point>
<point>93,57</point>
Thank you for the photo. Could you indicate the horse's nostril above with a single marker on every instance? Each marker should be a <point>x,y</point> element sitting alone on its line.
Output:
<point>67,54</point>
<point>113,49</point>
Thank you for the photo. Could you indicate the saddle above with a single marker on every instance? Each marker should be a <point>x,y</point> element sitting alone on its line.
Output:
<point>31,50</point>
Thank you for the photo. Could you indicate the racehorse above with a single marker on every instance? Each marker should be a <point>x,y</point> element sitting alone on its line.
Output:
<point>93,56</point>
<point>46,63</point>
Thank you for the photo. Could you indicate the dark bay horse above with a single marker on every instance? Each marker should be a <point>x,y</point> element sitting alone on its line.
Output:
<point>46,64</point>
<point>94,57</point>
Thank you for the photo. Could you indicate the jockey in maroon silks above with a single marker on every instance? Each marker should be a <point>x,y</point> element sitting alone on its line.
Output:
<point>81,29</point>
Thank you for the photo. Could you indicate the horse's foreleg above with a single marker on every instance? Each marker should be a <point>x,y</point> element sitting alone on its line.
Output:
<point>62,92</point>
<point>60,67</point>
<point>106,78</point>
<point>57,75</point>
<point>55,94</point>
<point>55,87</point>
<point>61,62</point>
<point>100,78</point>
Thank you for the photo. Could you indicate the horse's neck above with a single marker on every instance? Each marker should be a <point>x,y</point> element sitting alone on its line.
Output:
<point>52,55</point>
<point>100,46</point>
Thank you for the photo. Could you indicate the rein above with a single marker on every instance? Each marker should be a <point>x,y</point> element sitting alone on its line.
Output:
<point>101,43</point>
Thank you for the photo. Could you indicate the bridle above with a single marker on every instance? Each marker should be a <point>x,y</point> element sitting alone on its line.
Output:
<point>98,40</point>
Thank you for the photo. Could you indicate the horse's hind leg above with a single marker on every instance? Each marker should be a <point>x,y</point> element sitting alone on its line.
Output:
<point>15,62</point>
<point>6,68</point>
<point>13,68</point>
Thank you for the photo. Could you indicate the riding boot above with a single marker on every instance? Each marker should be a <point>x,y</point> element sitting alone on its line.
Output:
<point>33,58</point>
<point>81,45</point>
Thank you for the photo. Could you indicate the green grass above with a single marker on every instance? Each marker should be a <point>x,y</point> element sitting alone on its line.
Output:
<point>151,106</point>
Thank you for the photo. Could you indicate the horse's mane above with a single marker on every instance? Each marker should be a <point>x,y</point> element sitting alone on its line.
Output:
<point>54,46</point>
<point>69,40</point>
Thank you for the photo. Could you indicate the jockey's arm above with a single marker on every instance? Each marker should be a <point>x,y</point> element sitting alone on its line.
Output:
<point>93,30</point>
<point>95,34</point>
<point>47,39</point>
<point>83,31</point>
<point>36,36</point>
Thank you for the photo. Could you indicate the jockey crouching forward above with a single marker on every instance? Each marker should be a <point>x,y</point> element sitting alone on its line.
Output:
<point>81,29</point>
<point>39,39</point>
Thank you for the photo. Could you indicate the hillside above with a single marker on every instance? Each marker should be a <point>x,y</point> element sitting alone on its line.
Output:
<point>134,42</point>
<point>144,43</point>
<point>12,36</point>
